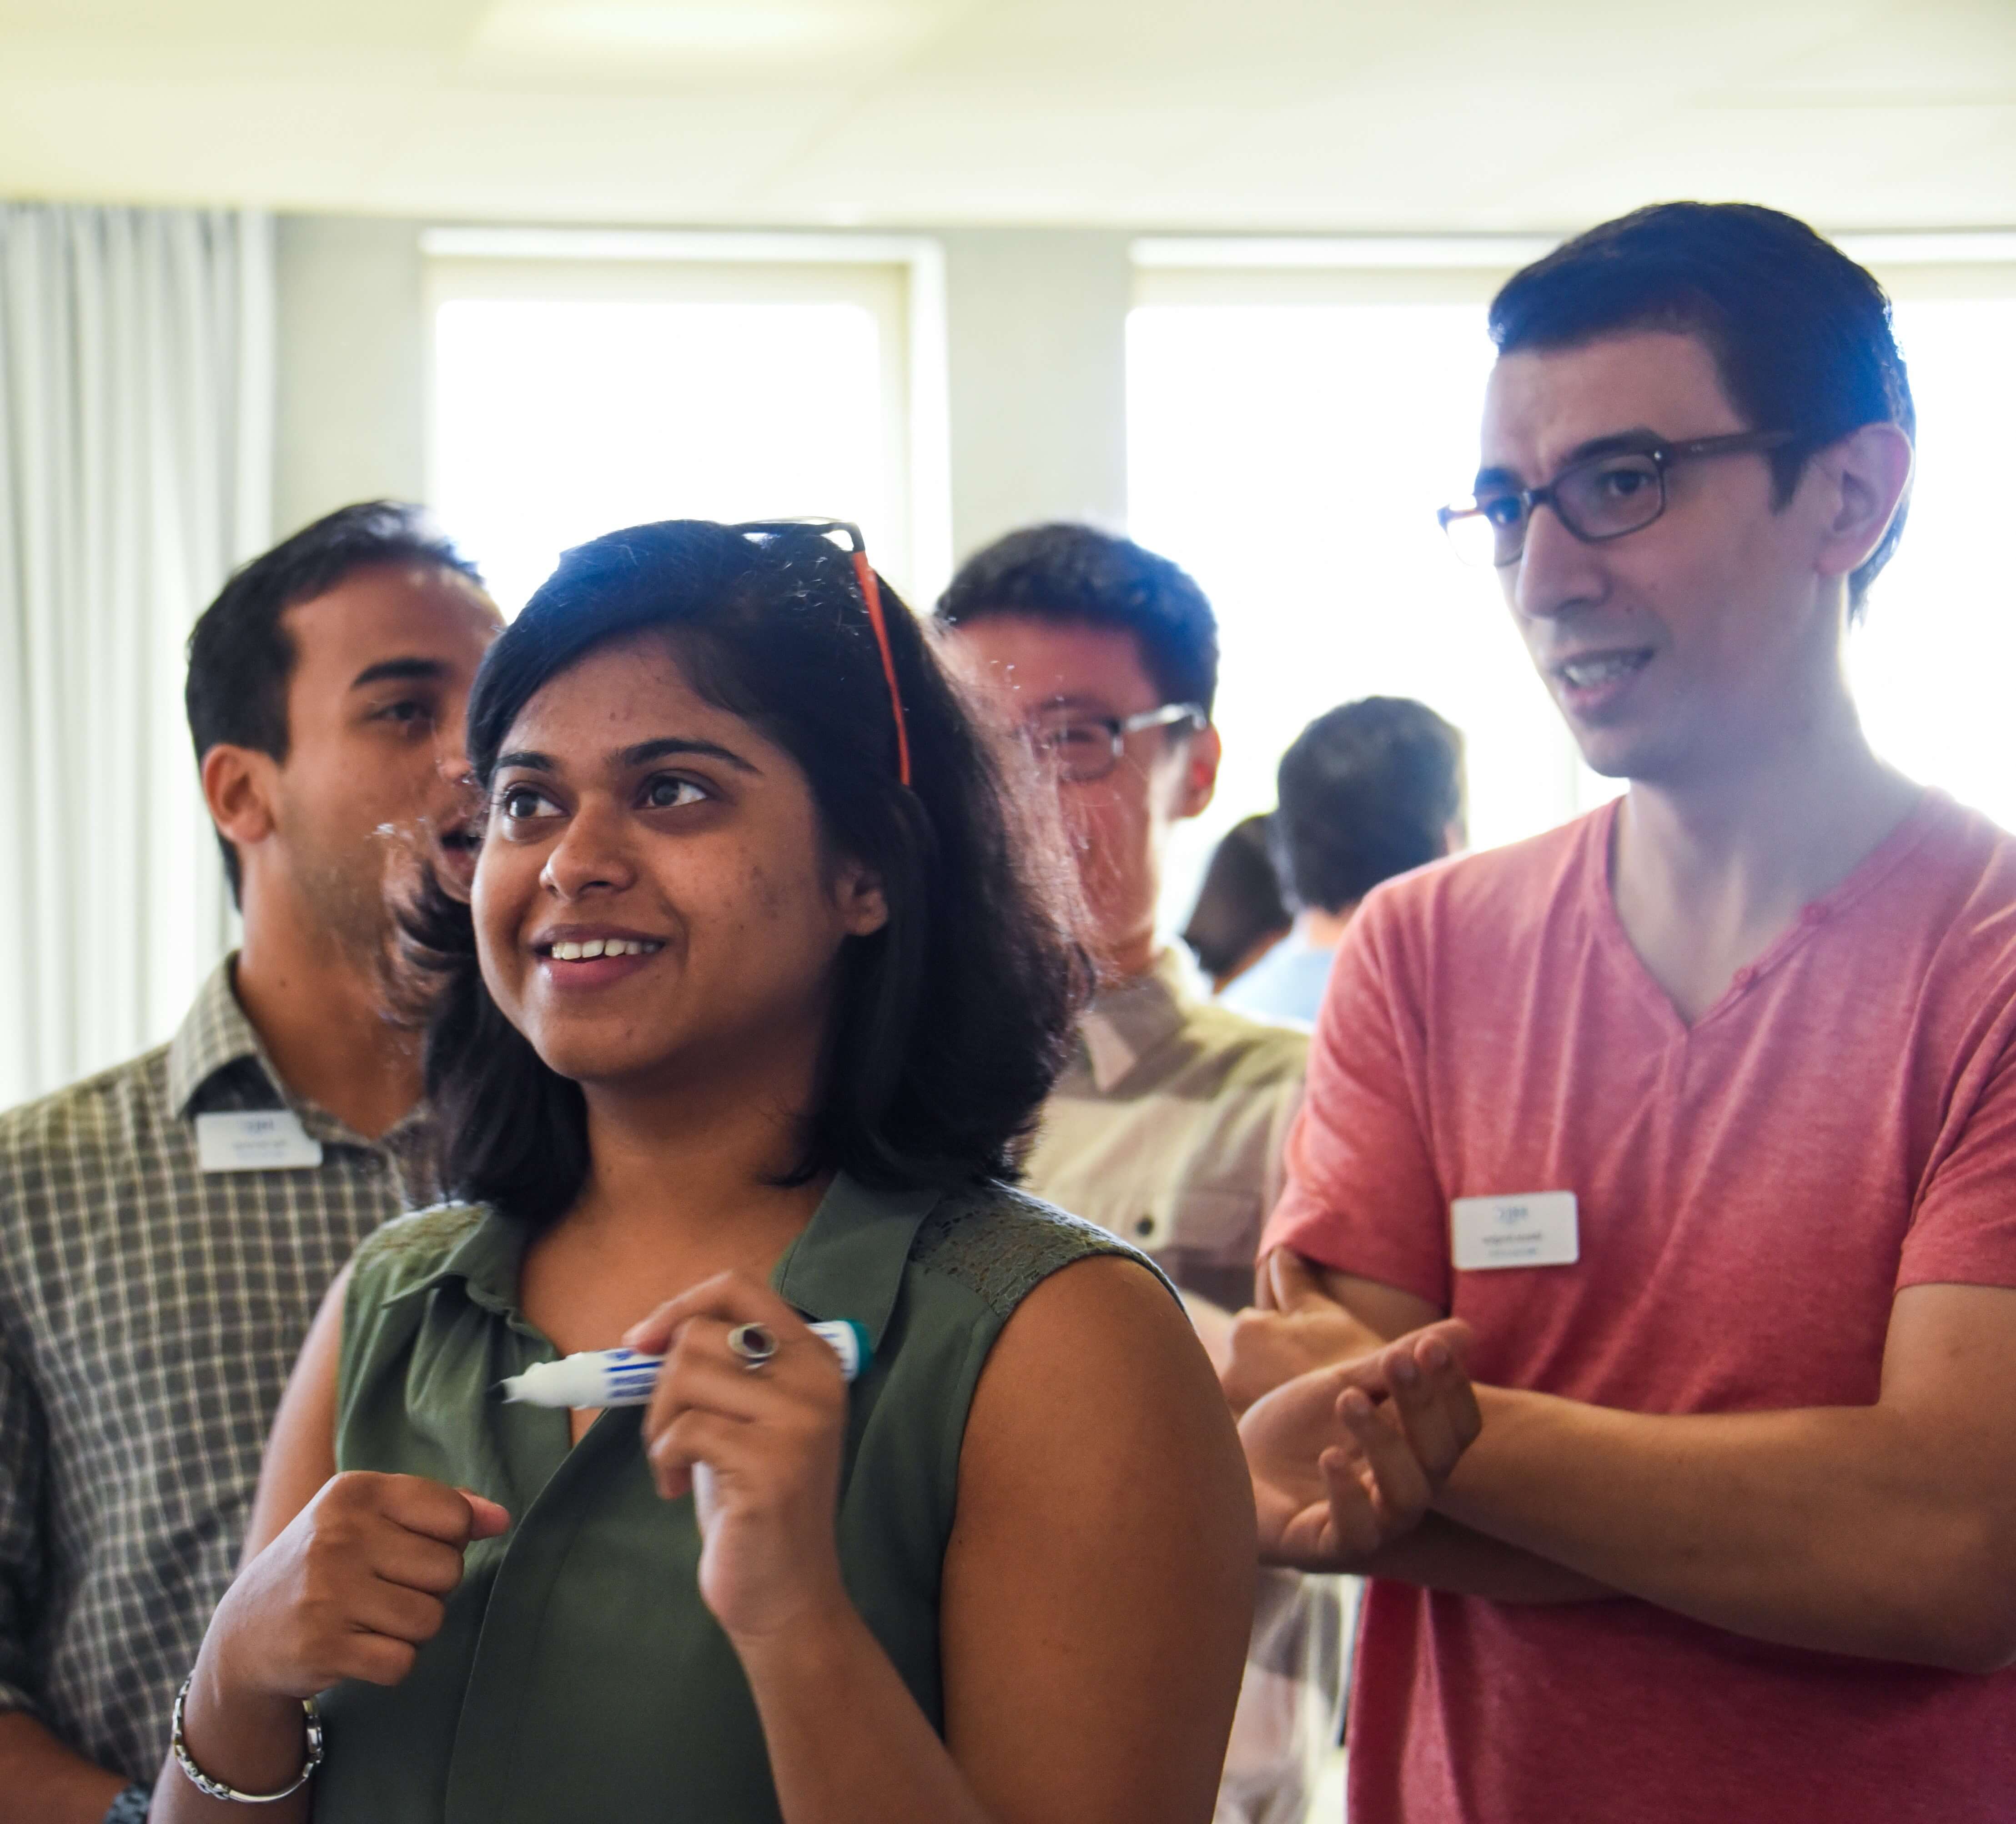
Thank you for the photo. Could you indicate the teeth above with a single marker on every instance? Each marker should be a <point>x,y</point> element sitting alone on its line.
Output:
<point>589,948</point>
<point>1584,672</point>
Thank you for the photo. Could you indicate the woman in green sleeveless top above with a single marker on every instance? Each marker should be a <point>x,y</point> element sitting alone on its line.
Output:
<point>756,998</point>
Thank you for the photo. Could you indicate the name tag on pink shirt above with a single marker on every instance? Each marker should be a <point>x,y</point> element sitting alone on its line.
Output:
<point>1535,1228</point>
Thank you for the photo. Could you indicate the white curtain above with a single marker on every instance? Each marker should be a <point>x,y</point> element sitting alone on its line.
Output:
<point>136,382</point>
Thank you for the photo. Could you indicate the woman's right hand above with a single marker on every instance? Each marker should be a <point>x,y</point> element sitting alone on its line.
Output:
<point>351,1589</point>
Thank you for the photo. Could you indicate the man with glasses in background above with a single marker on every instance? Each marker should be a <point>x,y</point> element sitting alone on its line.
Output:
<point>1167,1127</point>
<point>1700,1112</point>
<point>169,1228</point>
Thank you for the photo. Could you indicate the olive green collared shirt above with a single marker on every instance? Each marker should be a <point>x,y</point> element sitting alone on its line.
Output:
<point>578,1675</point>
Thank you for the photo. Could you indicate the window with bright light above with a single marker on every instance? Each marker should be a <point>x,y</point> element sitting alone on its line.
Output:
<point>573,396</point>
<point>1934,662</point>
<point>1291,455</point>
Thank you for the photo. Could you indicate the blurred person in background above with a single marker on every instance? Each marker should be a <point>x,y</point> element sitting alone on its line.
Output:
<point>1367,791</point>
<point>1167,1126</point>
<point>168,1227</point>
<point>1697,1115</point>
<point>1168,1123</point>
<point>1239,914</point>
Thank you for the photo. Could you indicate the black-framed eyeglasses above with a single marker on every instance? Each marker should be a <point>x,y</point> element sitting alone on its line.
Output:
<point>1604,496</point>
<point>1083,748</point>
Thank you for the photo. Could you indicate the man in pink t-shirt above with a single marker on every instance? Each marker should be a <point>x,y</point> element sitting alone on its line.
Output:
<point>1699,1114</point>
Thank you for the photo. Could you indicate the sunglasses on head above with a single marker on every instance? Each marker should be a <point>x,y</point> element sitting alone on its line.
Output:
<point>871,599</point>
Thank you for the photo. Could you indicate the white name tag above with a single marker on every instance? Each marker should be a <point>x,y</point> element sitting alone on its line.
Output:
<point>1536,1229</point>
<point>259,1140</point>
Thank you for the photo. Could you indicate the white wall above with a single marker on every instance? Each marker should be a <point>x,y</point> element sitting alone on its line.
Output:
<point>1036,330</point>
<point>1036,359</point>
<point>351,412</point>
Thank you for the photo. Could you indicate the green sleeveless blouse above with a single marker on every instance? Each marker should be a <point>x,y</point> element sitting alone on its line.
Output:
<point>578,1675</point>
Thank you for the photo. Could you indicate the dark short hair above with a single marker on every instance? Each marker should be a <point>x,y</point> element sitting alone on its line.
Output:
<point>950,1022</point>
<point>1367,791</point>
<point>1240,902</point>
<point>240,658</point>
<point>1801,335</point>
<point>1073,573</point>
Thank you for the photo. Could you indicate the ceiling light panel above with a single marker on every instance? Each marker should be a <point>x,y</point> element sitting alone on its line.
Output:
<point>666,36</point>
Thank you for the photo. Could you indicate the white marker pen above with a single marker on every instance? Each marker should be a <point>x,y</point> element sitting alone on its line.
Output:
<point>622,1377</point>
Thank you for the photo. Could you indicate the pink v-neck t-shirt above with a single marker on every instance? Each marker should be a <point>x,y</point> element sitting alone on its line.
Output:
<point>1750,1193</point>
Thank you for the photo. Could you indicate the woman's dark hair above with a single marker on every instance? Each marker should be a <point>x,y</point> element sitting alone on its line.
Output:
<point>1239,902</point>
<point>949,1023</point>
<point>1800,334</point>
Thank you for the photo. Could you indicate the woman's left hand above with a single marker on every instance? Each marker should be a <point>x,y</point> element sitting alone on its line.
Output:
<point>771,1439</point>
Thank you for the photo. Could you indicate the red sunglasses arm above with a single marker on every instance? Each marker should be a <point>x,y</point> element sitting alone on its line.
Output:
<point>871,595</point>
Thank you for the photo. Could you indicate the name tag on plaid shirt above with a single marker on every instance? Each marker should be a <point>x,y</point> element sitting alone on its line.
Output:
<point>258,1140</point>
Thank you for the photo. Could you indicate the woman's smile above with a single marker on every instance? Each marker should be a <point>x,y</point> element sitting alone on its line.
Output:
<point>580,958</point>
<point>655,887</point>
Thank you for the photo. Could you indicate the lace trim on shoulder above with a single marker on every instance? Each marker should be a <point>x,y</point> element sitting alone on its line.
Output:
<point>432,1233</point>
<point>1001,1243</point>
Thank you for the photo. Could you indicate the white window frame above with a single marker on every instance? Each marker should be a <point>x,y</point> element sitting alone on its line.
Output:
<point>899,279</point>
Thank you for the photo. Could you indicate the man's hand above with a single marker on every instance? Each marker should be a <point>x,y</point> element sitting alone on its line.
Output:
<point>1346,1459</point>
<point>43,1781</point>
<point>1297,1327</point>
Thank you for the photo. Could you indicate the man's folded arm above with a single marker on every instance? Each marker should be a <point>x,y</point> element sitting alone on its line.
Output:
<point>1886,1530</point>
<point>40,1777</point>
<point>1442,1554</point>
<point>1310,1314</point>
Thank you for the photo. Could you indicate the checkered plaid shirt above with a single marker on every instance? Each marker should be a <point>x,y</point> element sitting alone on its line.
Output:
<point>150,1313</point>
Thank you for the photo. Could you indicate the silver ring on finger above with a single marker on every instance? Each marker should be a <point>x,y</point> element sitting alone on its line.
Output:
<point>754,1343</point>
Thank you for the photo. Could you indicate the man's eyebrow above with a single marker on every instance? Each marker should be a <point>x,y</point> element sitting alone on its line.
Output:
<point>645,752</point>
<point>427,669</point>
<point>1644,437</point>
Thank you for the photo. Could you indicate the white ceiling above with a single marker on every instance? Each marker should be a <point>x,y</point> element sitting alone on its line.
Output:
<point>1342,114</point>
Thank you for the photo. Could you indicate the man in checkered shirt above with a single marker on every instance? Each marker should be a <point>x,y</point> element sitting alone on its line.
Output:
<point>168,1229</point>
